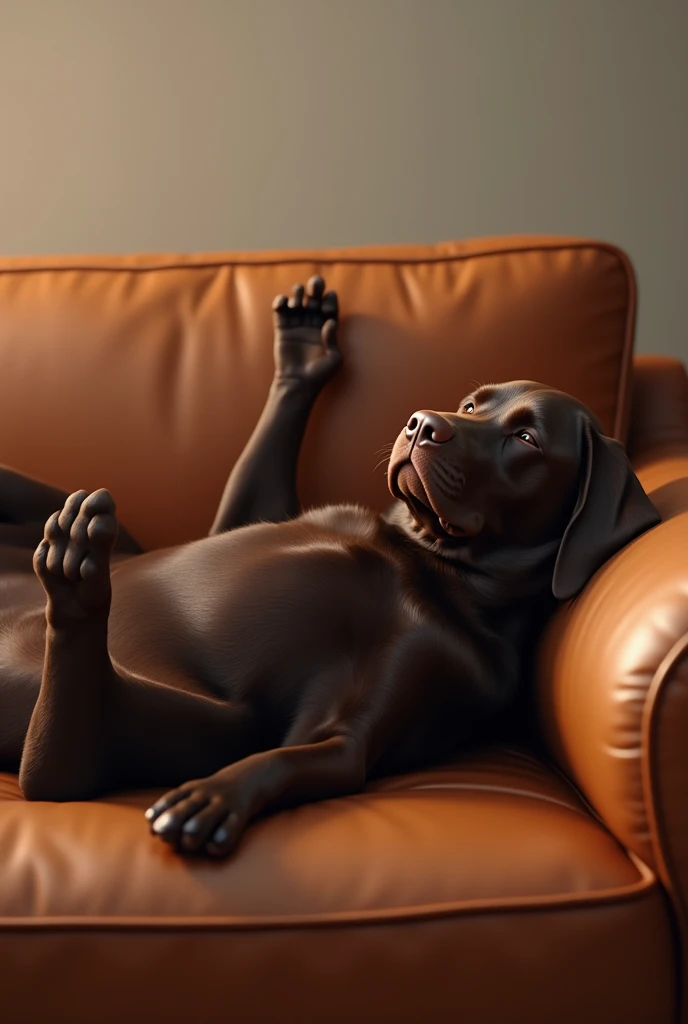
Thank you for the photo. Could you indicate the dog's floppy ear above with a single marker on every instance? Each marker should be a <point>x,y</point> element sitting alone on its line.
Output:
<point>612,508</point>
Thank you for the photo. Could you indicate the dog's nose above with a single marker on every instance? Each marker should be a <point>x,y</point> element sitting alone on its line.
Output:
<point>428,428</point>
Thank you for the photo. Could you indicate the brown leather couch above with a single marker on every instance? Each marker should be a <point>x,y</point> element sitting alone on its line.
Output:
<point>533,881</point>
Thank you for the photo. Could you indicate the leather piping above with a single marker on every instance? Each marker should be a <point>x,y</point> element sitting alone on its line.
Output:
<point>636,890</point>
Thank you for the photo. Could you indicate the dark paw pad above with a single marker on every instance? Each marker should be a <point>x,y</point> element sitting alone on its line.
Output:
<point>319,306</point>
<point>73,559</point>
<point>198,818</point>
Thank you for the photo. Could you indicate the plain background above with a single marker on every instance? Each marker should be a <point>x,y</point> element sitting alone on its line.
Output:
<point>180,125</point>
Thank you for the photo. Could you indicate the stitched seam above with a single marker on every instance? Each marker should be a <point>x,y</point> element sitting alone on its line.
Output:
<point>494,789</point>
<point>622,895</point>
<point>308,256</point>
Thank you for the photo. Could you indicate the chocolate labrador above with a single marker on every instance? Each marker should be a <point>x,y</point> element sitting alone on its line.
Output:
<point>290,655</point>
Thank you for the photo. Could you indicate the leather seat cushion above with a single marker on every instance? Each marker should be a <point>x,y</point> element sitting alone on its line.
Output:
<point>430,876</point>
<point>497,826</point>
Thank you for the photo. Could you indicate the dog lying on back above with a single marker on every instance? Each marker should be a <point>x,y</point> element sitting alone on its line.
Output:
<point>289,655</point>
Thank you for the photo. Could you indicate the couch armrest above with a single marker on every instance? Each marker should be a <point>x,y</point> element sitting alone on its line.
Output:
<point>613,692</point>
<point>612,688</point>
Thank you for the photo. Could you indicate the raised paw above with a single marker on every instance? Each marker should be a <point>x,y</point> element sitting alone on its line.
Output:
<point>306,334</point>
<point>204,816</point>
<point>73,559</point>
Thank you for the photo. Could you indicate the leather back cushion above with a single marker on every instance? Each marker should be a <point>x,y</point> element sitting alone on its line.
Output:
<point>147,374</point>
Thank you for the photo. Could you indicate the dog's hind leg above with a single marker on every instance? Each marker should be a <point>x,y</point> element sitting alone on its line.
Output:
<point>27,503</point>
<point>19,687</point>
<point>25,500</point>
<point>262,484</point>
<point>95,728</point>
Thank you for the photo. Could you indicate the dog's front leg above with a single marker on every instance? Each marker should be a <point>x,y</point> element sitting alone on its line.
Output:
<point>209,815</point>
<point>262,484</point>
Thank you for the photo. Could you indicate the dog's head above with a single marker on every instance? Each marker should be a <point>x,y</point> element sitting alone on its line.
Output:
<point>519,465</point>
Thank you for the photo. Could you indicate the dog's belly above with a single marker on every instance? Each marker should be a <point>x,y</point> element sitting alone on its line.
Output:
<point>256,612</point>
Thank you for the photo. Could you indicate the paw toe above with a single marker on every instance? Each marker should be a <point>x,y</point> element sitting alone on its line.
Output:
<point>197,829</point>
<point>100,501</point>
<point>314,290</point>
<point>171,822</point>
<point>225,836</point>
<point>71,509</point>
<point>53,531</point>
<point>163,823</point>
<point>330,305</point>
<point>102,529</point>
<point>40,558</point>
<point>89,568</point>
<point>296,299</point>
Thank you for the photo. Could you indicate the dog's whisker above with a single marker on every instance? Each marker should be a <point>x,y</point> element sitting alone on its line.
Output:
<point>386,449</point>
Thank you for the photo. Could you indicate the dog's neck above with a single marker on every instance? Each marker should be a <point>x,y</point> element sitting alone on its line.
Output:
<point>496,576</point>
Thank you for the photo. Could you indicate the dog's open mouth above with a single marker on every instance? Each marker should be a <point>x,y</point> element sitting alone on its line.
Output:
<point>441,527</point>
<point>445,527</point>
<point>453,531</point>
<point>413,491</point>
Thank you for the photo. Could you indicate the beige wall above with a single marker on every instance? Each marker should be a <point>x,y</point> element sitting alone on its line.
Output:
<point>221,124</point>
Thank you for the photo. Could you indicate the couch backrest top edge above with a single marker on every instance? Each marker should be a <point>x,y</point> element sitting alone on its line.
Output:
<point>422,253</point>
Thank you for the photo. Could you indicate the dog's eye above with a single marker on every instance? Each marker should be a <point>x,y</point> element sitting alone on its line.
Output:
<point>525,435</point>
<point>469,407</point>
